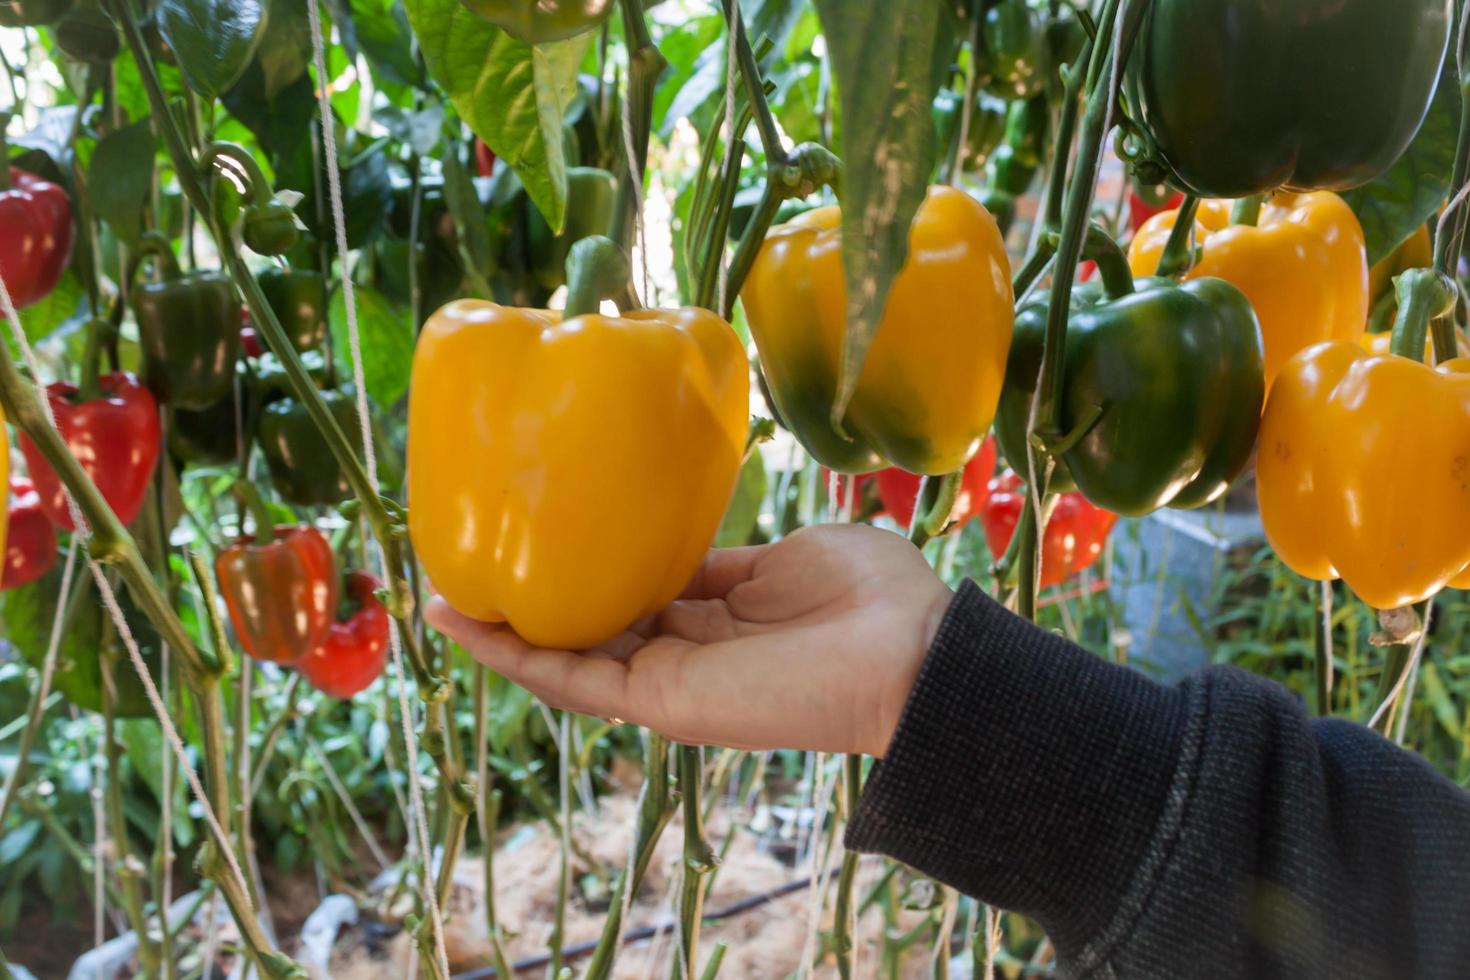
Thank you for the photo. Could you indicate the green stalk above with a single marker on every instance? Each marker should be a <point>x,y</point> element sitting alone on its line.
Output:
<point>699,859</point>
<point>128,870</point>
<point>1177,256</point>
<point>1247,210</point>
<point>645,64</point>
<point>563,880</point>
<point>654,813</point>
<point>489,816</point>
<point>852,786</point>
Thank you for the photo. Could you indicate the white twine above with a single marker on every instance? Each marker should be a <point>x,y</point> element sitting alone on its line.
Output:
<point>395,642</point>
<point>732,26</point>
<point>124,632</point>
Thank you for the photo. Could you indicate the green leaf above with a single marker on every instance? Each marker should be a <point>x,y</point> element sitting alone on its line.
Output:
<point>511,94</point>
<point>386,344</point>
<point>1396,203</point>
<point>378,29</point>
<point>745,509</point>
<point>143,742</point>
<point>212,40</point>
<point>888,61</point>
<point>16,840</point>
<point>510,704</point>
<point>121,178</point>
<point>42,319</point>
<point>285,46</point>
<point>281,122</point>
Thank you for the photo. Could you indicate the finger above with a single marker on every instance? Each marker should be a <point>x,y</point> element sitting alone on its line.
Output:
<point>594,685</point>
<point>722,570</point>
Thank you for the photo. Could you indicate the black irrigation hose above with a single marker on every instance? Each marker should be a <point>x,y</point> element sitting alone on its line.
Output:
<point>641,933</point>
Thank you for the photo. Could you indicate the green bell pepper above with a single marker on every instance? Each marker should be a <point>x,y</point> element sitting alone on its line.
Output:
<point>1013,166</point>
<point>1164,381</point>
<point>299,300</point>
<point>33,13</point>
<point>189,328</point>
<point>590,196</point>
<point>987,126</point>
<point>205,438</point>
<point>540,21</point>
<point>1242,98</point>
<point>302,468</point>
<point>1015,49</point>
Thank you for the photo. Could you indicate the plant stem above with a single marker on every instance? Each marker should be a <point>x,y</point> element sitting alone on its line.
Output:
<point>489,816</point>
<point>1247,210</point>
<point>699,859</point>
<point>645,64</point>
<point>126,867</point>
<point>852,786</point>
<point>1177,256</point>
<point>654,813</point>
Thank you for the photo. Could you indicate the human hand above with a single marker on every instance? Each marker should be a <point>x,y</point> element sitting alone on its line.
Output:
<point>811,643</point>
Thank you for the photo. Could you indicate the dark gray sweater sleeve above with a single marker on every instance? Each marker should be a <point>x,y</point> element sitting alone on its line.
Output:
<point>1209,829</point>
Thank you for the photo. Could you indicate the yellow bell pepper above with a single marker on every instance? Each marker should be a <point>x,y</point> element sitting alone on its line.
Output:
<point>929,388</point>
<point>568,476</point>
<point>1303,266</point>
<point>1362,472</point>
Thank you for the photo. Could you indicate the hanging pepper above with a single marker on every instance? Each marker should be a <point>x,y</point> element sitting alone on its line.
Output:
<point>35,237</point>
<point>1145,202</point>
<point>899,489</point>
<point>29,539</point>
<point>1162,387</point>
<point>189,327</point>
<point>208,437</point>
<point>590,196</point>
<point>987,126</point>
<point>484,158</point>
<point>356,648</point>
<point>115,438</point>
<point>1016,49</point>
<point>927,394</point>
<point>1311,94</point>
<point>1361,473</point>
<point>1303,266</point>
<point>299,300</point>
<point>541,21</point>
<point>651,408</point>
<point>1076,534</point>
<point>33,13</point>
<point>302,467</point>
<point>1012,168</point>
<point>281,596</point>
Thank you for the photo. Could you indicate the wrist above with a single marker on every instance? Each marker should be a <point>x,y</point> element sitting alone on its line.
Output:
<point>896,697</point>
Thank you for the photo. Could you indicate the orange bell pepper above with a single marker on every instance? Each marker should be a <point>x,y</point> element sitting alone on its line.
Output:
<point>1363,472</point>
<point>1303,266</point>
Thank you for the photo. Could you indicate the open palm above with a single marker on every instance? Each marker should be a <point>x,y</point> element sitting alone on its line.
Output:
<point>810,643</point>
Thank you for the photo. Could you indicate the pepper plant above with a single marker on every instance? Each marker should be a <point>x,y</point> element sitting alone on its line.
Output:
<point>258,255</point>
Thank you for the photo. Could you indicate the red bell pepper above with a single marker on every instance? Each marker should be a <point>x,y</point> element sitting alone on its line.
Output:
<point>1075,535</point>
<point>899,489</point>
<point>35,237</point>
<point>30,540</point>
<point>115,437</point>
<point>250,343</point>
<point>484,159</point>
<point>1140,208</point>
<point>356,648</point>
<point>282,596</point>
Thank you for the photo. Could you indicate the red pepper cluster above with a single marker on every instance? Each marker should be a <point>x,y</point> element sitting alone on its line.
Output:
<point>1075,535</point>
<point>282,599</point>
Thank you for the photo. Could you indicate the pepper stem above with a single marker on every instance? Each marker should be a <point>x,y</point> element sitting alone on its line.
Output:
<point>1247,210</point>
<point>597,269</point>
<point>98,330</point>
<point>1423,294</point>
<point>1112,264</point>
<point>1177,256</point>
<point>265,524</point>
<point>155,244</point>
<point>231,158</point>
